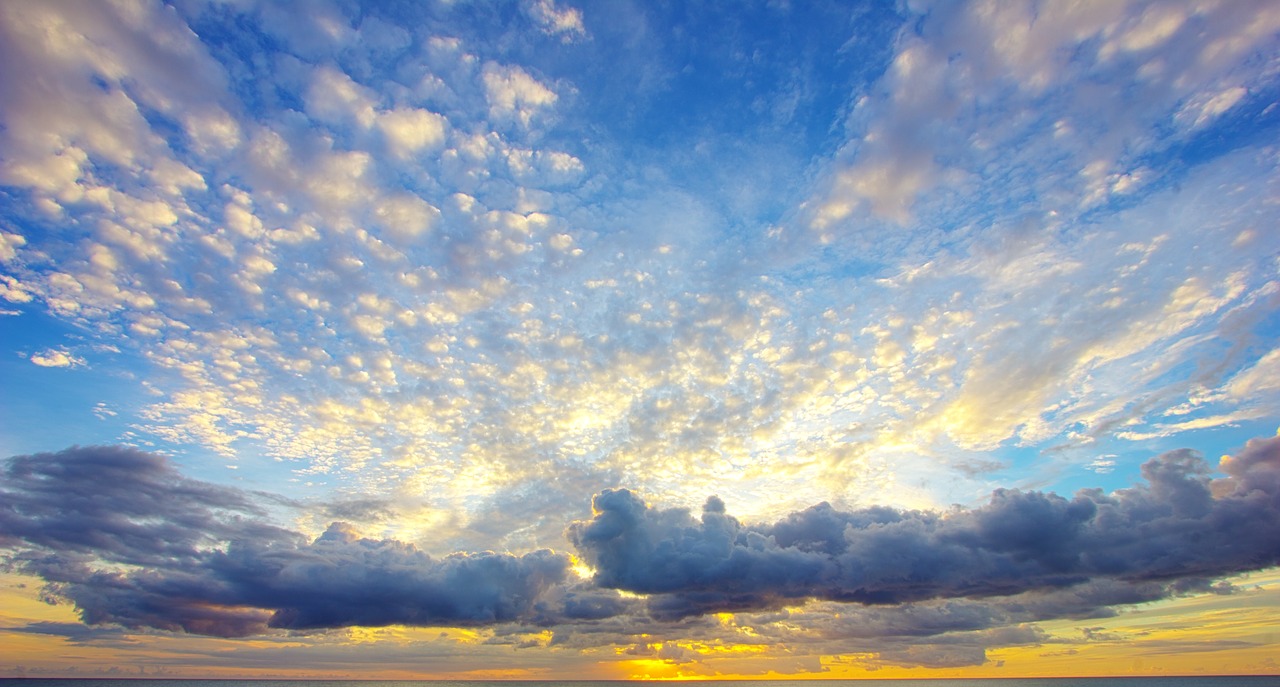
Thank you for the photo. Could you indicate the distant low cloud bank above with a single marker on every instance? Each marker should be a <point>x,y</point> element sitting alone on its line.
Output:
<point>1178,527</point>
<point>124,536</point>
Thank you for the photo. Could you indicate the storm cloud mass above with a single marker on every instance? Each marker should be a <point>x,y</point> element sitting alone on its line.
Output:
<point>125,537</point>
<point>128,540</point>
<point>1179,525</point>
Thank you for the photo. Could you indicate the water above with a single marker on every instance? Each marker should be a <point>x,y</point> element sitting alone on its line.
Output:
<point>1215,681</point>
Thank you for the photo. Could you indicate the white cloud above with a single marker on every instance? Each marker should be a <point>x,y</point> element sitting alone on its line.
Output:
<point>1208,106</point>
<point>542,169</point>
<point>1155,26</point>
<point>1102,464</point>
<point>515,95</point>
<point>987,77</point>
<point>555,21</point>
<point>409,131</point>
<point>314,34</point>
<point>54,123</point>
<point>56,357</point>
<point>1257,381</point>
<point>405,217</point>
<point>14,291</point>
<point>212,131</point>
<point>333,98</point>
<point>9,245</point>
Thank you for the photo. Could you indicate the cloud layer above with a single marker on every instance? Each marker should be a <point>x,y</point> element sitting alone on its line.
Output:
<point>386,250</point>
<point>1180,526</point>
<point>130,541</point>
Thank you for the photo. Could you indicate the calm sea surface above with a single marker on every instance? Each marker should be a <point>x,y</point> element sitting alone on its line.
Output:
<point>1250,681</point>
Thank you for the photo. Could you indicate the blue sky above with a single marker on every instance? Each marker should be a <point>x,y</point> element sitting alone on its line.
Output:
<point>445,272</point>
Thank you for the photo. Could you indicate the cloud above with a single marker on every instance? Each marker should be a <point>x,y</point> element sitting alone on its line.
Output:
<point>482,280</point>
<point>1080,85</point>
<point>143,60</point>
<point>1208,107</point>
<point>1019,542</point>
<point>56,357</point>
<point>410,130</point>
<point>127,504</point>
<point>1102,464</point>
<point>556,21</point>
<point>132,543</point>
<point>326,27</point>
<point>355,255</point>
<point>9,245</point>
<point>343,579</point>
<point>128,540</point>
<point>515,95</point>
<point>333,98</point>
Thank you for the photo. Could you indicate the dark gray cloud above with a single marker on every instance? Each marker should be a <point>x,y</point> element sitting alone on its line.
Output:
<point>344,579</point>
<point>1176,530</point>
<point>121,534</point>
<point>130,503</point>
<point>76,633</point>
<point>125,537</point>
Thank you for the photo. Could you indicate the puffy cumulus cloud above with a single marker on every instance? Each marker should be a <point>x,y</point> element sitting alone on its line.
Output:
<point>1020,542</point>
<point>333,98</point>
<point>410,130</point>
<point>357,244</point>
<point>351,110</point>
<point>404,217</point>
<point>315,35</point>
<point>103,70</point>
<point>514,95</point>
<point>10,244</point>
<point>342,579</point>
<point>127,539</point>
<point>56,357</point>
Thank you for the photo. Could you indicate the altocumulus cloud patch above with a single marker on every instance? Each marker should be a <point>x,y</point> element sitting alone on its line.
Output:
<point>124,536</point>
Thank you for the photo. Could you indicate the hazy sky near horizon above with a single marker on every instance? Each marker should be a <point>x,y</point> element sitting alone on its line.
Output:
<point>623,339</point>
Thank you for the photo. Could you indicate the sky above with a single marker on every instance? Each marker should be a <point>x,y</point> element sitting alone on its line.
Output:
<point>631,339</point>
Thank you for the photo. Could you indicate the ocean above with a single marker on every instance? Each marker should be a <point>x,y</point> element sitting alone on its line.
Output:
<point>1186,681</point>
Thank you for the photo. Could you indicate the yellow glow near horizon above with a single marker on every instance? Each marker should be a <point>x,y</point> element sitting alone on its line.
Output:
<point>1202,634</point>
